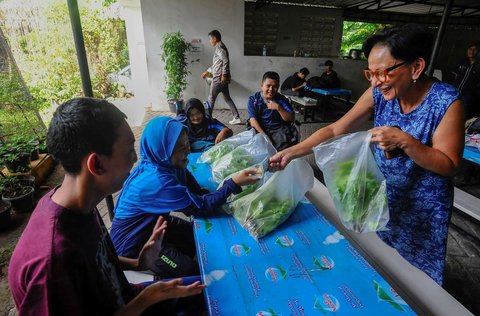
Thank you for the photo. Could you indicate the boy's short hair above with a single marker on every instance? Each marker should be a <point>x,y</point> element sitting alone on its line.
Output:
<point>271,75</point>
<point>305,71</point>
<point>329,63</point>
<point>215,34</point>
<point>80,126</point>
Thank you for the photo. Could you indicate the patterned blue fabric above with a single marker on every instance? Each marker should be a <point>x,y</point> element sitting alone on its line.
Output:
<point>419,200</point>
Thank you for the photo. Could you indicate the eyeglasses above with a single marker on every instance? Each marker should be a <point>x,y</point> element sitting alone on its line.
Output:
<point>381,75</point>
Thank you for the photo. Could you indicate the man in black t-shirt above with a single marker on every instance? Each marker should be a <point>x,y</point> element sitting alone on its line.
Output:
<point>294,85</point>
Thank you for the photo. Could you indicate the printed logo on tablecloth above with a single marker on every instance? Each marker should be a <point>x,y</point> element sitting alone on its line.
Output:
<point>270,312</point>
<point>333,238</point>
<point>208,225</point>
<point>324,262</point>
<point>284,241</point>
<point>326,303</point>
<point>239,250</point>
<point>388,294</point>
<point>275,274</point>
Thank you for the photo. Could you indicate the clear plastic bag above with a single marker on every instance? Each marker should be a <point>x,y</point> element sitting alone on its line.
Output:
<point>263,176</point>
<point>254,152</point>
<point>270,205</point>
<point>354,181</point>
<point>226,146</point>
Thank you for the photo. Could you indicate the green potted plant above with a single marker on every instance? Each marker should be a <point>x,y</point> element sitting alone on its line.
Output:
<point>174,55</point>
<point>18,191</point>
<point>15,155</point>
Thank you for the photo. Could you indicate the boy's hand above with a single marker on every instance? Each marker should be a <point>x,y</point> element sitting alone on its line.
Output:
<point>151,250</point>
<point>272,105</point>
<point>161,291</point>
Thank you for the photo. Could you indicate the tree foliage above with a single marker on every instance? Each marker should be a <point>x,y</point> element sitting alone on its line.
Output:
<point>46,55</point>
<point>355,33</point>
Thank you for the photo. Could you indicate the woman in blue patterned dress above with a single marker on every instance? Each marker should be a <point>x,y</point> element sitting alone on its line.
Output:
<point>421,121</point>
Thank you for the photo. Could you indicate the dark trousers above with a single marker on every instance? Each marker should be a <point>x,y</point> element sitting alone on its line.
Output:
<point>178,251</point>
<point>215,88</point>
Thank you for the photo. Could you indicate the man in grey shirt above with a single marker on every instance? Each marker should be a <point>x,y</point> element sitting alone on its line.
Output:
<point>220,70</point>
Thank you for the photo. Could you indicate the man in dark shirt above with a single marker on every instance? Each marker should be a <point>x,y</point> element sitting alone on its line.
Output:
<point>328,79</point>
<point>294,84</point>
<point>270,113</point>
<point>467,81</point>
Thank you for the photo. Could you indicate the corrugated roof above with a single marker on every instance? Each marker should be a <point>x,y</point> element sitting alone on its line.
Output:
<point>464,12</point>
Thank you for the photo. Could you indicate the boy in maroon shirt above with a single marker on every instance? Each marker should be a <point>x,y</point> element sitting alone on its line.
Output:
<point>64,262</point>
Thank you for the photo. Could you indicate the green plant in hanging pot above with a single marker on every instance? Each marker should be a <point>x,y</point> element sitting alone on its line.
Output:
<point>174,55</point>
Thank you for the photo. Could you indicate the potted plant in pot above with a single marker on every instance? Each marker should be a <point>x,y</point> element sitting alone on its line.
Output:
<point>5,214</point>
<point>19,191</point>
<point>174,55</point>
<point>15,155</point>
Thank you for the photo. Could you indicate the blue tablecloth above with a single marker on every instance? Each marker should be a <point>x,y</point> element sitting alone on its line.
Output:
<point>472,154</point>
<point>304,267</point>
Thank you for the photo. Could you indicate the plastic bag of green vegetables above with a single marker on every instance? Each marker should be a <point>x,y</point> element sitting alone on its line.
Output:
<point>254,152</point>
<point>270,205</point>
<point>226,146</point>
<point>263,175</point>
<point>354,181</point>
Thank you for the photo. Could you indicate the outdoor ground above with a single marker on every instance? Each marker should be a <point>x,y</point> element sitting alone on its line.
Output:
<point>462,273</point>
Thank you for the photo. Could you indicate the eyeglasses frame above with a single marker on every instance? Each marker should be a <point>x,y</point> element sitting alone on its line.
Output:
<point>386,70</point>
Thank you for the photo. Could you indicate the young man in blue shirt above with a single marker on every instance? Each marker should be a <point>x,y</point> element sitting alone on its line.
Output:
<point>272,114</point>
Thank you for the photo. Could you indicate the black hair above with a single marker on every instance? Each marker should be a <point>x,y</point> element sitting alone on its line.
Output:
<point>407,42</point>
<point>271,75</point>
<point>329,63</point>
<point>215,34</point>
<point>304,71</point>
<point>80,126</point>
<point>194,103</point>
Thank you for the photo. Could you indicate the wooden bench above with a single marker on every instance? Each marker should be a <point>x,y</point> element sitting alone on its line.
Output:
<point>462,200</point>
<point>308,106</point>
<point>328,94</point>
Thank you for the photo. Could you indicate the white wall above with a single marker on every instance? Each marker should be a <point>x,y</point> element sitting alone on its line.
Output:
<point>132,15</point>
<point>195,19</point>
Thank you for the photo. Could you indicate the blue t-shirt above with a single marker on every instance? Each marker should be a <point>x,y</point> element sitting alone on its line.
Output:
<point>268,119</point>
<point>420,201</point>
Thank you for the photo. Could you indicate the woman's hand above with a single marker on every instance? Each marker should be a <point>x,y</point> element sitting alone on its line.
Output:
<point>150,251</point>
<point>247,176</point>
<point>280,160</point>
<point>389,137</point>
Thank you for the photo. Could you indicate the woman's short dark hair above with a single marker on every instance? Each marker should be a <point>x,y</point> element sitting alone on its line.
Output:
<point>80,126</point>
<point>407,42</point>
<point>271,75</point>
<point>215,34</point>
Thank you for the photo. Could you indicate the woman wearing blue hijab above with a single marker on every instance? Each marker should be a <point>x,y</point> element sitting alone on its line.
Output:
<point>159,185</point>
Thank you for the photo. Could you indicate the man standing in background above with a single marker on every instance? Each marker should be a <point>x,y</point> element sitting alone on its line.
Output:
<point>467,81</point>
<point>220,70</point>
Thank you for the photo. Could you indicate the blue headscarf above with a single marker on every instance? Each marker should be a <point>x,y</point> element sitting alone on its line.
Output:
<point>155,186</point>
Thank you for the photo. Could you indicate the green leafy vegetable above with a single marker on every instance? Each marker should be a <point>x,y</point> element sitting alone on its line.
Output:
<point>356,195</point>
<point>234,161</point>
<point>262,214</point>
<point>217,152</point>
